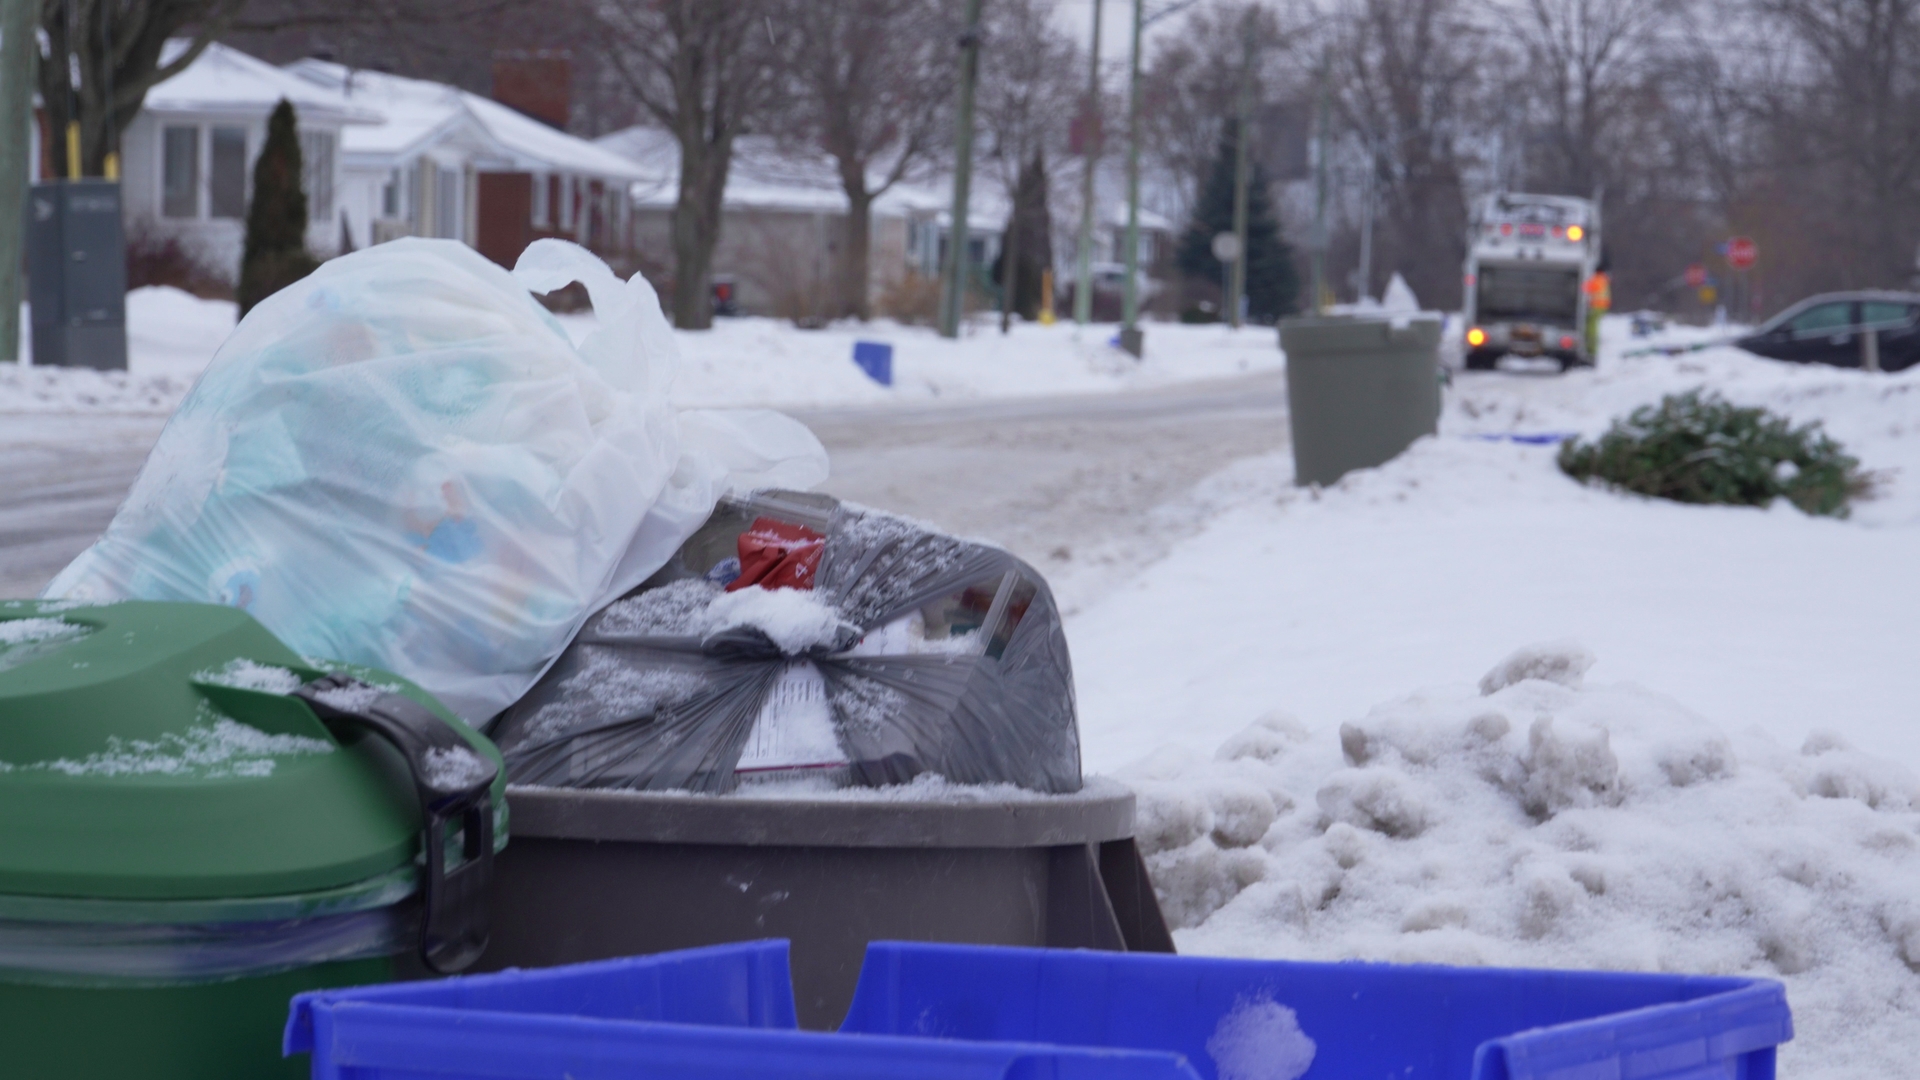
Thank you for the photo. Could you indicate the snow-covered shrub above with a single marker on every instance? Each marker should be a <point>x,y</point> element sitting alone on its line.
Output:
<point>1700,448</point>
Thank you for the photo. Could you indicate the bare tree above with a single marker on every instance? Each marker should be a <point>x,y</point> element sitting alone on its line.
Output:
<point>1585,65</point>
<point>1843,140</point>
<point>1192,91</point>
<point>1406,77</point>
<point>103,57</point>
<point>868,81</point>
<point>704,70</point>
<point>450,41</point>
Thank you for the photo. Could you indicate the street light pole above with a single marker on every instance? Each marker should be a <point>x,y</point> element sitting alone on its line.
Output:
<point>19,50</point>
<point>1366,230</point>
<point>1083,286</point>
<point>1131,337</point>
<point>1237,290</point>
<point>1319,261</point>
<point>953,296</point>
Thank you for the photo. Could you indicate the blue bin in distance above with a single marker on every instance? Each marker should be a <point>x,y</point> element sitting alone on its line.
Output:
<point>721,1013</point>
<point>876,359</point>
<point>1407,1022</point>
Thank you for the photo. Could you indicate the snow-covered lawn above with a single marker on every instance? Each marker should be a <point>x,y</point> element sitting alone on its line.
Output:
<point>769,362</point>
<point>747,361</point>
<point>1298,692</point>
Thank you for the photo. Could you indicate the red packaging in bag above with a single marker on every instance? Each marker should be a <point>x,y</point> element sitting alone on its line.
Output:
<point>777,554</point>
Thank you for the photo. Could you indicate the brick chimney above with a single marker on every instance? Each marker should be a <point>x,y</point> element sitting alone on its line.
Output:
<point>538,83</point>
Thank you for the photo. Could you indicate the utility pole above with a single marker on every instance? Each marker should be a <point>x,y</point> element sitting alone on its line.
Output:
<point>1083,286</point>
<point>1237,289</point>
<point>19,50</point>
<point>1366,227</point>
<point>1320,190</point>
<point>1131,337</point>
<point>953,297</point>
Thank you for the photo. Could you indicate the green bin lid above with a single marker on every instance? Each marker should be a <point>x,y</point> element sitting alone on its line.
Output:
<point>150,751</point>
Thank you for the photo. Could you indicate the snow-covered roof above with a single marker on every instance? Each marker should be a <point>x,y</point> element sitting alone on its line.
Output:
<point>1149,220</point>
<point>421,114</point>
<point>765,175</point>
<point>224,79</point>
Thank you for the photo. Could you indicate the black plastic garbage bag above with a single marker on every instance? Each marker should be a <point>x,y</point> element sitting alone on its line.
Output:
<point>914,652</point>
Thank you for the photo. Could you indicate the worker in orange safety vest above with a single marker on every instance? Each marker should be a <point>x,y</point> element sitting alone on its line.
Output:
<point>1599,301</point>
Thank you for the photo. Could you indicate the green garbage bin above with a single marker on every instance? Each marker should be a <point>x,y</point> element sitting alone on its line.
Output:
<point>1359,390</point>
<point>199,823</point>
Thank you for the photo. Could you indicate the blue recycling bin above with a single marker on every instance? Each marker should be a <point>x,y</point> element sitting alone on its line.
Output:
<point>876,359</point>
<point>934,1012</point>
<point>1408,1022</point>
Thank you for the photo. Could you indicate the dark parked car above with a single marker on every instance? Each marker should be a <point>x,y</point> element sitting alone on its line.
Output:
<point>1844,329</point>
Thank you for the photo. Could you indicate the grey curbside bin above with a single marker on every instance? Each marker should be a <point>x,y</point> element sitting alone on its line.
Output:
<point>594,874</point>
<point>1359,390</point>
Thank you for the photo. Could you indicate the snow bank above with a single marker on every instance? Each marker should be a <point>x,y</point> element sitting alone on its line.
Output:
<point>1555,813</point>
<point>1404,575</point>
<point>748,361</point>
<point>1553,823</point>
<point>769,362</point>
<point>170,337</point>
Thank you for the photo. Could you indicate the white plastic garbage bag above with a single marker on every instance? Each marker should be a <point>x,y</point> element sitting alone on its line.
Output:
<point>403,461</point>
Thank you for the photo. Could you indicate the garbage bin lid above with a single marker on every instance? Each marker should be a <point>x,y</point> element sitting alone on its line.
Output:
<point>1329,334</point>
<point>150,751</point>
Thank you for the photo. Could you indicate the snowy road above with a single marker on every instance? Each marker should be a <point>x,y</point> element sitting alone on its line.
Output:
<point>61,478</point>
<point>1072,484</point>
<point>1066,482</point>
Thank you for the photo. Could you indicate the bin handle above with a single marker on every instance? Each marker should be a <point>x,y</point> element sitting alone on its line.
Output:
<point>453,783</point>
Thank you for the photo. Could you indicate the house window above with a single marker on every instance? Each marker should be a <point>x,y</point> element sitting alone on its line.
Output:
<point>540,208</point>
<point>227,173</point>
<point>180,172</point>
<point>390,195</point>
<point>446,203</point>
<point>316,172</point>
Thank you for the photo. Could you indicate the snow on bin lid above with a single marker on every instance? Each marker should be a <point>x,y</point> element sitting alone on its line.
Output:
<point>148,751</point>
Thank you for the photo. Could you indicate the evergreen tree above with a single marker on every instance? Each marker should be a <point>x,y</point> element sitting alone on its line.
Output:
<point>1033,248</point>
<point>276,254</point>
<point>1273,289</point>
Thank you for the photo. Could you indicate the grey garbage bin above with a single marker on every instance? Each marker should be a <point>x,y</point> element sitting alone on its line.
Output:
<point>1359,390</point>
<point>594,874</point>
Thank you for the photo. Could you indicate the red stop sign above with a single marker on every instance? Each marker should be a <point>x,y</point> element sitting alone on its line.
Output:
<point>1742,252</point>
<point>1696,276</point>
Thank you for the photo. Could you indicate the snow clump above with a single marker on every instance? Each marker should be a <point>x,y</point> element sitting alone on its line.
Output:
<point>243,674</point>
<point>795,620</point>
<point>1260,1039</point>
<point>1539,821</point>
<point>453,768</point>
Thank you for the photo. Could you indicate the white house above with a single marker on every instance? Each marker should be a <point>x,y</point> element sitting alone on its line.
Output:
<point>187,157</point>
<point>382,156</point>
<point>449,163</point>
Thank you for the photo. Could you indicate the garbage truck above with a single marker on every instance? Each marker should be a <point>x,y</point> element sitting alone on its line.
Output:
<point>1529,261</point>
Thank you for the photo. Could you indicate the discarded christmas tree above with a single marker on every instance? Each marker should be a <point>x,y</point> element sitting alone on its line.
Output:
<point>1273,289</point>
<point>275,254</point>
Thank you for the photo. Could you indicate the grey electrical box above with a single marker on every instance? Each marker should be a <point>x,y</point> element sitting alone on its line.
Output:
<point>1359,390</point>
<point>77,274</point>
